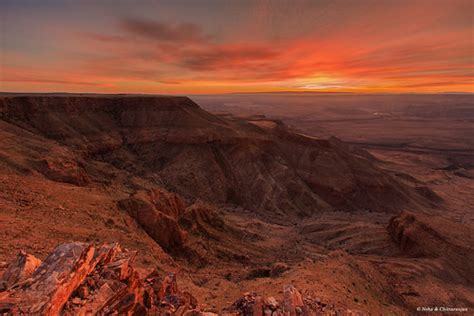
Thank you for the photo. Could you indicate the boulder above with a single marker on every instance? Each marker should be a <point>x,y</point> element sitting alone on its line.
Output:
<point>292,301</point>
<point>62,169</point>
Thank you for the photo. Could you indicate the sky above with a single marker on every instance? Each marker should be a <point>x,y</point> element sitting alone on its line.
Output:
<point>216,46</point>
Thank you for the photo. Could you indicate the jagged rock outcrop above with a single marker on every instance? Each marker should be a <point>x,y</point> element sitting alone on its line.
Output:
<point>157,212</point>
<point>19,270</point>
<point>52,283</point>
<point>164,216</point>
<point>83,279</point>
<point>202,156</point>
<point>421,235</point>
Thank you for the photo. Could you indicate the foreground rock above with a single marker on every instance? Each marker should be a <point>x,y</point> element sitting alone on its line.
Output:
<point>293,304</point>
<point>19,270</point>
<point>83,279</point>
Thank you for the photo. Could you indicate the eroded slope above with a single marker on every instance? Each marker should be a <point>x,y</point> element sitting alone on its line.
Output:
<point>171,141</point>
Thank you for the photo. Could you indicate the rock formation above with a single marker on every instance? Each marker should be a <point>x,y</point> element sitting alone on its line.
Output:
<point>19,270</point>
<point>171,140</point>
<point>83,279</point>
<point>293,304</point>
<point>421,235</point>
<point>157,212</point>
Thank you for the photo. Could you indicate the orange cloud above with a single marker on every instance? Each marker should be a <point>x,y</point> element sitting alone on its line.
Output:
<point>394,46</point>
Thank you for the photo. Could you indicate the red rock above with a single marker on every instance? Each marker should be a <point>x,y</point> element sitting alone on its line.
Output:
<point>292,300</point>
<point>168,286</point>
<point>271,303</point>
<point>257,308</point>
<point>157,219</point>
<point>422,235</point>
<point>278,268</point>
<point>62,169</point>
<point>20,269</point>
<point>192,313</point>
<point>98,301</point>
<point>83,291</point>
<point>165,202</point>
<point>54,281</point>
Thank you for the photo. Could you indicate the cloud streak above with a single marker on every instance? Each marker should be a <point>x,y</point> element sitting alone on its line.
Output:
<point>164,32</point>
<point>376,47</point>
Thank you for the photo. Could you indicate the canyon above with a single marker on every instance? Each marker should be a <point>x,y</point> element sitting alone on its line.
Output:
<point>240,207</point>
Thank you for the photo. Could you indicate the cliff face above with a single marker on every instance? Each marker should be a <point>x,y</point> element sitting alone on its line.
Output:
<point>171,140</point>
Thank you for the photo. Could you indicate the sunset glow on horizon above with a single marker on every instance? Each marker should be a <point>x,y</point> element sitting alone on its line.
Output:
<point>192,47</point>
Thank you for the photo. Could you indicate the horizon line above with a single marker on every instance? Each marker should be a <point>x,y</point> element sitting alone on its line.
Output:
<point>239,93</point>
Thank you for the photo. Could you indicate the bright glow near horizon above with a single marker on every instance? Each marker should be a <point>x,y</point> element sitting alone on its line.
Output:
<point>190,47</point>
